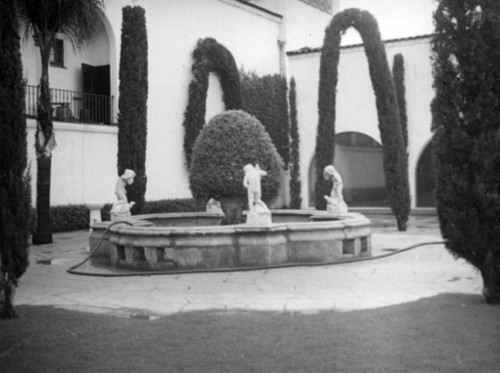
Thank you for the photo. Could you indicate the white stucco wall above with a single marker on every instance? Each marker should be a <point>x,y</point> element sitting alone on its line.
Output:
<point>83,163</point>
<point>173,28</point>
<point>355,107</point>
<point>305,25</point>
<point>251,35</point>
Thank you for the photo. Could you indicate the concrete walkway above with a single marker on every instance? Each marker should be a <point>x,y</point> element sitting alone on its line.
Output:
<point>422,272</point>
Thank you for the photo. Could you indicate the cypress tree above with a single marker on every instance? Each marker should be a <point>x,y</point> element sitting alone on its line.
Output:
<point>394,155</point>
<point>209,56</point>
<point>132,117</point>
<point>15,192</point>
<point>398,74</point>
<point>466,143</point>
<point>295,188</point>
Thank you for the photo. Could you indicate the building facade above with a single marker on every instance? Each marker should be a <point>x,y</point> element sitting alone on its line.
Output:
<point>264,36</point>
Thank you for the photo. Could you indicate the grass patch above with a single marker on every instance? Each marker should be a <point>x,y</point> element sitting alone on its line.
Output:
<point>446,333</point>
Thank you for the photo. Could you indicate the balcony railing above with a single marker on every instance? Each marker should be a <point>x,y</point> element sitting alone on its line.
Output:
<point>71,106</point>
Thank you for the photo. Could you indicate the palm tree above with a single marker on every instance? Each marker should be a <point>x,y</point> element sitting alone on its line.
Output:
<point>44,19</point>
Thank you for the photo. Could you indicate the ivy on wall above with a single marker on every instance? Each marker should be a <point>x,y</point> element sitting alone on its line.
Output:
<point>295,186</point>
<point>398,74</point>
<point>266,98</point>
<point>394,154</point>
<point>132,104</point>
<point>209,56</point>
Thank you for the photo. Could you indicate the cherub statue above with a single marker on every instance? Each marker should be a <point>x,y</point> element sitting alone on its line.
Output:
<point>251,182</point>
<point>335,201</point>
<point>121,208</point>
<point>214,207</point>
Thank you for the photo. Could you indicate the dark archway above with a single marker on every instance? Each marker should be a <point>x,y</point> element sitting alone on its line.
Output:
<point>426,180</point>
<point>209,56</point>
<point>394,152</point>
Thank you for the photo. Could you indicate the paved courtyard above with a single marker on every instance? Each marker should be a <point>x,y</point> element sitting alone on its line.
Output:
<point>390,278</point>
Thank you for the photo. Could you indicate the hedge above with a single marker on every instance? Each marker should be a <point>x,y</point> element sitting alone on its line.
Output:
<point>76,217</point>
<point>266,98</point>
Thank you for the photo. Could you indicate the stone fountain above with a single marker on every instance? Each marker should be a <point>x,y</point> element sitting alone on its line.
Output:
<point>198,241</point>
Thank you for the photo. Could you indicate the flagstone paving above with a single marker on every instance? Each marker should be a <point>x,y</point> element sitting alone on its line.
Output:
<point>406,276</point>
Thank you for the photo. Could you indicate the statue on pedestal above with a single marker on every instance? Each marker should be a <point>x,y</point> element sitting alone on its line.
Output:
<point>335,201</point>
<point>258,211</point>
<point>121,208</point>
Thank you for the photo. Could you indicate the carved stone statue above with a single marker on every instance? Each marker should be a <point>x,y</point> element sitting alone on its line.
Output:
<point>121,208</point>
<point>335,201</point>
<point>214,207</point>
<point>259,214</point>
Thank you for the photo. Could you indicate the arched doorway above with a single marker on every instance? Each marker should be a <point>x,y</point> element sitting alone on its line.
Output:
<point>359,160</point>
<point>425,179</point>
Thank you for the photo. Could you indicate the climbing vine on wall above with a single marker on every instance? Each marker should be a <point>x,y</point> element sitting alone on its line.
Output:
<point>266,98</point>
<point>398,74</point>
<point>132,104</point>
<point>394,154</point>
<point>209,56</point>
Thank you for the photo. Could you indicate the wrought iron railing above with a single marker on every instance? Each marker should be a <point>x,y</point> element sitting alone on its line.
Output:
<point>72,106</point>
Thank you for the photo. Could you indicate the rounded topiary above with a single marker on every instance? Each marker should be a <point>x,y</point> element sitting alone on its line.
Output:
<point>225,145</point>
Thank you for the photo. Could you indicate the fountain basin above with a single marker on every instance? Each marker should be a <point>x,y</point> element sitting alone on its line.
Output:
<point>195,247</point>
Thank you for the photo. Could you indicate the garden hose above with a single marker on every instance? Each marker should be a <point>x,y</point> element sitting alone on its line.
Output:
<point>73,270</point>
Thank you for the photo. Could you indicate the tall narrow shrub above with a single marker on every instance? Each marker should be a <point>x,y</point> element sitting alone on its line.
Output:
<point>398,74</point>
<point>394,155</point>
<point>266,98</point>
<point>15,192</point>
<point>466,145</point>
<point>132,117</point>
<point>295,186</point>
<point>209,56</point>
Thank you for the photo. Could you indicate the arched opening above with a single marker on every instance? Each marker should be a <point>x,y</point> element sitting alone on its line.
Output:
<point>359,160</point>
<point>425,179</point>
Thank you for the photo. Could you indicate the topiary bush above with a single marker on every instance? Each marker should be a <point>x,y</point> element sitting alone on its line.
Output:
<point>209,56</point>
<point>394,152</point>
<point>226,144</point>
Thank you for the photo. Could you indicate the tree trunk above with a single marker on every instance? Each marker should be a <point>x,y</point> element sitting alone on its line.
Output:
<point>43,232</point>
<point>44,143</point>
<point>7,311</point>
<point>491,278</point>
